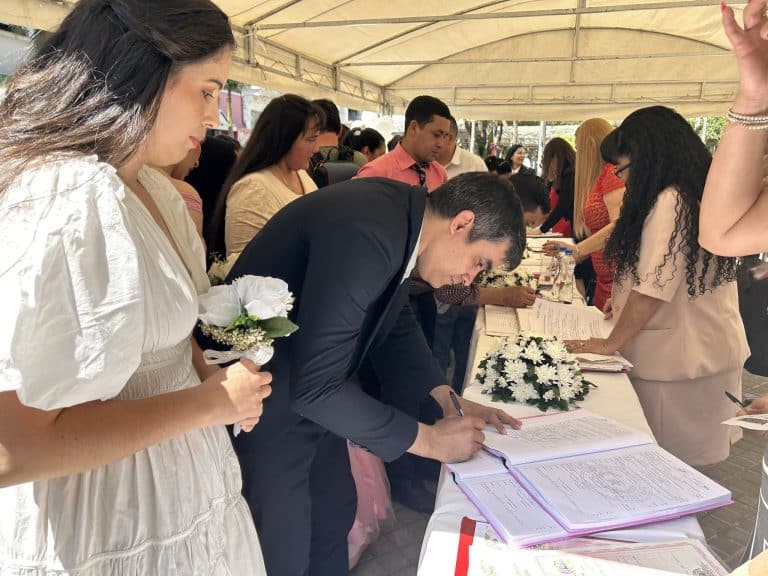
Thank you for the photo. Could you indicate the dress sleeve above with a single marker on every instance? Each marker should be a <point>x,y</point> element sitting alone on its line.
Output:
<point>72,325</point>
<point>660,272</point>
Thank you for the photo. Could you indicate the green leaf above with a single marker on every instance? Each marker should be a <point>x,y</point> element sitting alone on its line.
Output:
<point>278,327</point>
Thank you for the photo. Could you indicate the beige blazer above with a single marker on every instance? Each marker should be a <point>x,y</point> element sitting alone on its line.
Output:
<point>686,338</point>
<point>252,201</point>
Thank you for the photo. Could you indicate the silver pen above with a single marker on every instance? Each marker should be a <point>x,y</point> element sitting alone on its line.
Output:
<point>456,404</point>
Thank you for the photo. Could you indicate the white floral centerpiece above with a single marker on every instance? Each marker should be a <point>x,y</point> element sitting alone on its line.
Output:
<point>501,277</point>
<point>247,316</point>
<point>532,369</point>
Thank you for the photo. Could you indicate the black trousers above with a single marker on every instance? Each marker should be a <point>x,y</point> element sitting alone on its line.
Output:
<point>300,489</point>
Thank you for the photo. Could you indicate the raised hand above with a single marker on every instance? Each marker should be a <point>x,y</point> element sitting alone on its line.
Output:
<point>750,44</point>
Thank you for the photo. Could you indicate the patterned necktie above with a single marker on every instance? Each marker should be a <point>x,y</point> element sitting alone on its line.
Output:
<point>421,170</point>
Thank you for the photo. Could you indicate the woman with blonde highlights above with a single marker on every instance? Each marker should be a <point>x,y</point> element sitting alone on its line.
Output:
<point>598,194</point>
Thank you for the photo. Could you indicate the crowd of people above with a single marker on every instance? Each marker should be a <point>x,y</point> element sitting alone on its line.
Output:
<point>115,456</point>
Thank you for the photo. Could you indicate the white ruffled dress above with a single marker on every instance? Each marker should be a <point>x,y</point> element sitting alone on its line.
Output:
<point>97,304</point>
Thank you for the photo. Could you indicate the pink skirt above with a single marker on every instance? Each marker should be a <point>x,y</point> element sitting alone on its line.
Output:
<point>374,506</point>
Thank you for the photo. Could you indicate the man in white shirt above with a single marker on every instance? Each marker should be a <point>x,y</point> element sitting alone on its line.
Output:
<point>457,160</point>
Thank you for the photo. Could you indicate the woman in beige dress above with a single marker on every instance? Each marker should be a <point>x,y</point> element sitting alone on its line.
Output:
<point>675,304</point>
<point>269,173</point>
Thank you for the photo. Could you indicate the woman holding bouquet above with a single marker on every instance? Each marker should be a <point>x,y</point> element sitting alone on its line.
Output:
<point>676,305</point>
<point>113,454</point>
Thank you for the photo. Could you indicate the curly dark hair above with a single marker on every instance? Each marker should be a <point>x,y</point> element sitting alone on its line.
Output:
<point>664,152</point>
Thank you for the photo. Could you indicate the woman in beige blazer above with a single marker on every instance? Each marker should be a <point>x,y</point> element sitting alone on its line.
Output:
<point>269,173</point>
<point>675,304</point>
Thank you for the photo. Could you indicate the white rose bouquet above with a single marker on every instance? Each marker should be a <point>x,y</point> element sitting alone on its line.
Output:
<point>532,369</point>
<point>246,315</point>
<point>501,277</point>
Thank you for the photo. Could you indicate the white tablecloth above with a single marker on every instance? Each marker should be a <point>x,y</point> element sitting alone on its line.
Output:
<point>615,398</point>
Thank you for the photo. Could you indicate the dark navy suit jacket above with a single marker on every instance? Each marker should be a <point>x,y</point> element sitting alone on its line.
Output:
<point>343,251</point>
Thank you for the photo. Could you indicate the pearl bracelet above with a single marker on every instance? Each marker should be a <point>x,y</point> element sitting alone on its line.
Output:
<point>748,121</point>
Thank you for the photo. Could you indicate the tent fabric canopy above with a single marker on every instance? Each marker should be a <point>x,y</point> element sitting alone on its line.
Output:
<point>519,59</point>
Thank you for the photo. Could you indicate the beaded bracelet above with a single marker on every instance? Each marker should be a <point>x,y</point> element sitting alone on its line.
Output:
<point>748,121</point>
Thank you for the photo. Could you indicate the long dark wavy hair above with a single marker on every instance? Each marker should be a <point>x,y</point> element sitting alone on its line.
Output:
<point>283,120</point>
<point>94,85</point>
<point>559,149</point>
<point>664,152</point>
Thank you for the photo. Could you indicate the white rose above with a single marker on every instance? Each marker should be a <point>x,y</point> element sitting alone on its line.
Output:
<point>220,306</point>
<point>264,297</point>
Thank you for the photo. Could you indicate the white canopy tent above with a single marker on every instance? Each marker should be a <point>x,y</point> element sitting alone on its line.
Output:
<point>518,59</point>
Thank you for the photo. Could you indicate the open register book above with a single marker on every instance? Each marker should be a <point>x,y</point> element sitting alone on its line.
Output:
<point>576,473</point>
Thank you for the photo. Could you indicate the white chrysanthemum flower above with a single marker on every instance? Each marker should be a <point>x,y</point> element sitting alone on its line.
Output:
<point>548,395</point>
<point>546,373</point>
<point>565,373</point>
<point>524,391</point>
<point>533,353</point>
<point>515,370</point>
<point>555,349</point>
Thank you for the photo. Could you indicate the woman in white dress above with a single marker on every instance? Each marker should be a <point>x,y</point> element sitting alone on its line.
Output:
<point>113,454</point>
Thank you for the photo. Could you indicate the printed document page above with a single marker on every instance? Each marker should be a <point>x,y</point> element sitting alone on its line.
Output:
<point>565,321</point>
<point>680,557</point>
<point>500,321</point>
<point>620,487</point>
<point>560,435</point>
<point>512,512</point>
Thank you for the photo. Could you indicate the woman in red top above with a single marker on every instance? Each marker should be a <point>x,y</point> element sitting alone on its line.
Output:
<point>598,194</point>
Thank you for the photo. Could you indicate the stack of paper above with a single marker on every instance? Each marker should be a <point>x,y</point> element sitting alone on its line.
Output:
<point>573,323</point>
<point>500,321</point>
<point>601,363</point>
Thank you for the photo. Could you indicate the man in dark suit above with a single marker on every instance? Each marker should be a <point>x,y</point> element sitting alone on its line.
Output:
<point>347,252</point>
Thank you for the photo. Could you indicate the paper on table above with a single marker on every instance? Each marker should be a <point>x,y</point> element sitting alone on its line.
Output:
<point>679,557</point>
<point>517,517</point>
<point>663,558</point>
<point>619,487</point>
<point>500,321</point>
<point>565,321</point>
<point>751,422</point>
<point>602,363</point>
<point>562,434</point>
<point>481,464</point>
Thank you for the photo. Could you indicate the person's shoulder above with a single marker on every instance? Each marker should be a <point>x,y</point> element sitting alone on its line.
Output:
<point>472,159</point>
<point>255,182</point>
<point>359,158</point>
<point>378,167</point>
<point>75,178</point>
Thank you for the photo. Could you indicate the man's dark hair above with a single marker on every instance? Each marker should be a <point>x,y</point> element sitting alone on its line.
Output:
<point>332,118</point>
<point>497,209</point>
<point>454,126</point>
<point>422,108</point>
<point>532,191</point>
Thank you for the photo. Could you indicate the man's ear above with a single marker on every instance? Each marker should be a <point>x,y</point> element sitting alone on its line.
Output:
<point>462,222</point>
